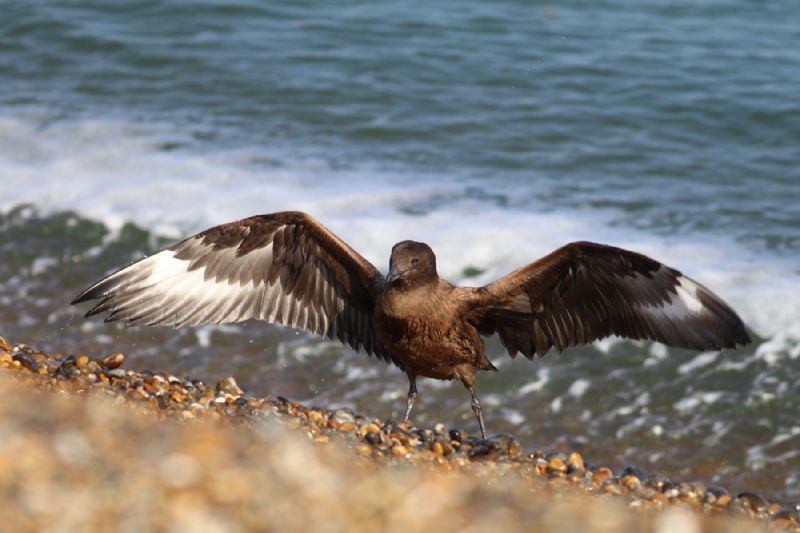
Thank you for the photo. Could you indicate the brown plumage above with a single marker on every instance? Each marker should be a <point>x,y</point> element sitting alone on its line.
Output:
<point>287,268</point>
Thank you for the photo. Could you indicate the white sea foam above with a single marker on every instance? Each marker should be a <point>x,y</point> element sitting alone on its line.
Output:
<point>701,360</point>
<point>116,172</point>
<point>579,388</point>
<point>43,264</point>
<point>697,399</point>
<point>542,379</point>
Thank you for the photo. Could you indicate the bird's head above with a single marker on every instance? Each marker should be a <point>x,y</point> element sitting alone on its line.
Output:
<point>412,263</point>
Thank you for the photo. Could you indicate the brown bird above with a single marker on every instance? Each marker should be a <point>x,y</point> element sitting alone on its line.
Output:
<point>289,269</point>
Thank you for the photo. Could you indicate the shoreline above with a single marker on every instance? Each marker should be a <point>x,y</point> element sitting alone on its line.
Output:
<point>382,445</point>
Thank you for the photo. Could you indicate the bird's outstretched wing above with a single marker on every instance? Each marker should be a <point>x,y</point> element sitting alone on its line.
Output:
<point>284,268</point>
<point>585,291</point>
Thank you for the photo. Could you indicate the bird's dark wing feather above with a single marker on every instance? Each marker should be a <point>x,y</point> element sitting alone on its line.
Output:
<point>586,291</point>
<point>284,268</point>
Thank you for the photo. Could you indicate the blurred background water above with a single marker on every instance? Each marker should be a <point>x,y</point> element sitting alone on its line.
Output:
<point>493,131</point>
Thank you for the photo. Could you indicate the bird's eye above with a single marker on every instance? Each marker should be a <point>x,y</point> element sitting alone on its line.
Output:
<point>415,261</point>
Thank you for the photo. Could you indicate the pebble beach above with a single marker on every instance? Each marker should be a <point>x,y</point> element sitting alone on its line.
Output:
<point>86,444</point>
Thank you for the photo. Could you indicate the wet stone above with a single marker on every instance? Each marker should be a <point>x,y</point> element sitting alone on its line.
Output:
<point>577,477</point>
<point>738,508</point>
<point>455,435</point>
<point>113,360</point>
<point>717,497</point>
<point>601,474</point>
<point>631,482</point>
<point>371,428</point>
<point>656,481</point>
<point>557,464</point>
<point>753,502</point>
<point>83,360</point>
<point>537,454</point>
<point>540,466</point>
<point>447,447</point>
<point>242,403</point>
<point>504,443</point>
<point>399,450</point>
<point>670,489</point>
<point>26,361</point>
<point>551,455</point>
<point>786,518</point>
<point>437,448</point>
<point>480,449</point>
<point>575,463</point>
<point>648,493</point>
<point>424,436</point>
<point>632,470</point>
<point>774,508</point>
<point>179,396</point>
<point>404,427</point>
<point>93,366</point>
<point>342,416</point>
<point>442,447</point>
<point>693,492</point>
<point>392,427</point>
<point>228,386</point>
<point>373,438</point>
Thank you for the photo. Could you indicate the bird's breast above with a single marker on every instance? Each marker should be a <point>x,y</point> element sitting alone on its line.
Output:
<point>396,332</point>
<point>429,344</point>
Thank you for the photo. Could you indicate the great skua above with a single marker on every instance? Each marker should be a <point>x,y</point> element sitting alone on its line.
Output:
<point>287,268</point>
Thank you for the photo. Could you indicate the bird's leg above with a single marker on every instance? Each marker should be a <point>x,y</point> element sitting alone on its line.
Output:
<point>412,395</point>
<point>476,407</point>
<point>468,379</point>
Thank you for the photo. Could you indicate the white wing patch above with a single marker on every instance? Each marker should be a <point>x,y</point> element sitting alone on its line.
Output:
<point>688,293</point>
<point>162,289</point>
<point>682,305</point>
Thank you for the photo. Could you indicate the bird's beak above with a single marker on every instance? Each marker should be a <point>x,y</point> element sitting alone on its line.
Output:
<point>394,273</point>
